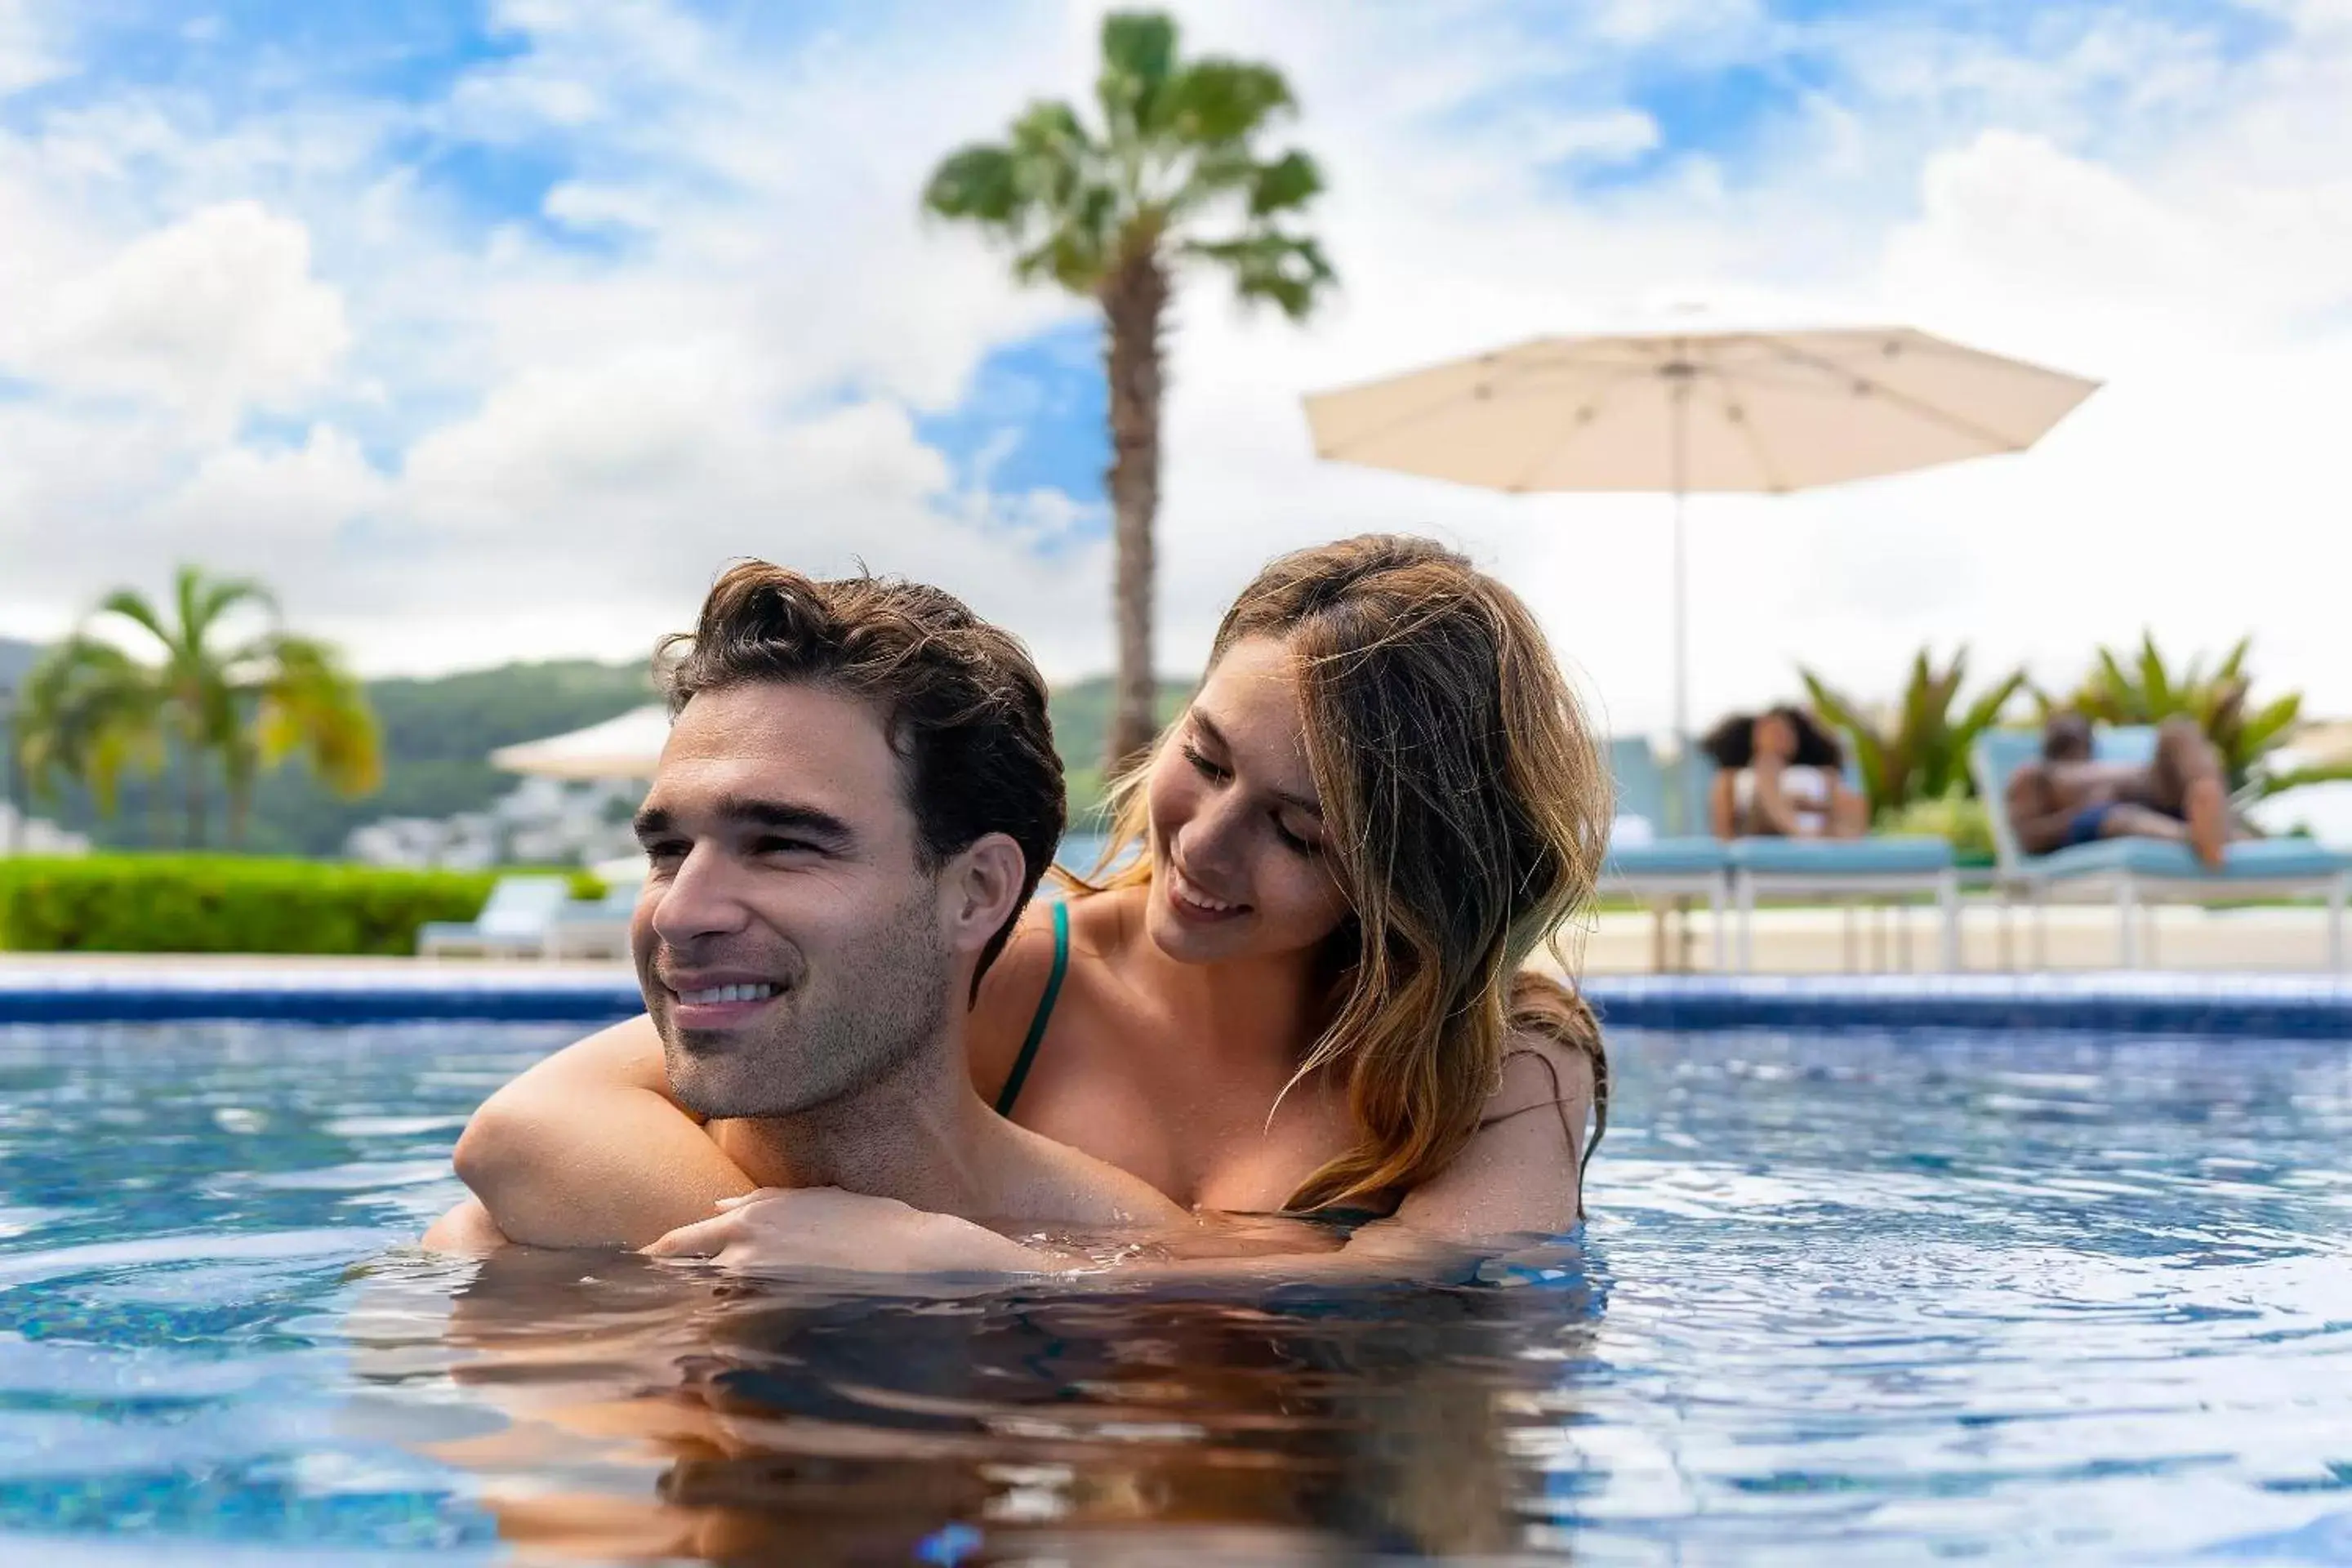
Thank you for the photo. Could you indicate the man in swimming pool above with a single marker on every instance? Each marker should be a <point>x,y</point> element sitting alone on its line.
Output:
<point>2068,797</point>
<point>858,797</point>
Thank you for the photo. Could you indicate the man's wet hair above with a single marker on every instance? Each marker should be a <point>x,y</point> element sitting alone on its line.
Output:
<point>963,704</point>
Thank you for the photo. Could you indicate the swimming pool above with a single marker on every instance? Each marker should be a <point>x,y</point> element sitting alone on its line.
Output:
<point>1851,1298</point>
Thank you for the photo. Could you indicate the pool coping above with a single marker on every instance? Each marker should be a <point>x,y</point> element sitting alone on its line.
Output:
<point>2268,1006</point>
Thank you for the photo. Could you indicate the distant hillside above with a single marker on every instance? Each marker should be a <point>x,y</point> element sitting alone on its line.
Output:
<point>437,737</point>
<point>1081,727</point>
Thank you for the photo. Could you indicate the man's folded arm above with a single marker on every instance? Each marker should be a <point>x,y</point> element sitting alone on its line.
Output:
<point>583,1151</point>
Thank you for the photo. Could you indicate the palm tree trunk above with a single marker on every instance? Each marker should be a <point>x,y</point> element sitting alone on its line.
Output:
<point>1134,298</point>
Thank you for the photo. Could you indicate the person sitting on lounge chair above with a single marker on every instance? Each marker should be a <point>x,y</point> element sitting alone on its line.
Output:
<point>2181,795</point>
<point>1781,777</point>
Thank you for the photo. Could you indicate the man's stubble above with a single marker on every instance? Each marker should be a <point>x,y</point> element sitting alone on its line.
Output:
<point>850,1026</point>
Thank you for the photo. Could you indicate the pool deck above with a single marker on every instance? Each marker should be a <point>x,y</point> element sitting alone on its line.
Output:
<point>2262,938</point>
<point>1805,946</point>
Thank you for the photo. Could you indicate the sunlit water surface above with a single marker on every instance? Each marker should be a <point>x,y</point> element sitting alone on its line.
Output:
<point>1842,1299</point>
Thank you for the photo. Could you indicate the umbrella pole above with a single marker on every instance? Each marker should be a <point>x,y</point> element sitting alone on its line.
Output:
<point>1682,634</point>
<point>1678,425</point>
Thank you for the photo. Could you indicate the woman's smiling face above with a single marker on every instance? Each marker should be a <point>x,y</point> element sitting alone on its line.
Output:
<point>1238,845</point>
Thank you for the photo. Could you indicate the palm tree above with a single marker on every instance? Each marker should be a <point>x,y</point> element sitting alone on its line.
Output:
<point>93,710</point>
<point>1110,213</point>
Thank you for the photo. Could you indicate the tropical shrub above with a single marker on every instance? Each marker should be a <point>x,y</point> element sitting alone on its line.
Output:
<point>1958,818</point>
<point>1916,750</point>
<point>2137,687</point>
<point>220,903</point>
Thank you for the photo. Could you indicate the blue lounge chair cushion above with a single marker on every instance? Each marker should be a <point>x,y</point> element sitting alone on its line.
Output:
<point>518,911</point>
<point>1842,857</point>
<point>1696,857</point>
<point>2260,859</point>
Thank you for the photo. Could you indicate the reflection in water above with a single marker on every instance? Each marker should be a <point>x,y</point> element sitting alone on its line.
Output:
<point>644,1412</point>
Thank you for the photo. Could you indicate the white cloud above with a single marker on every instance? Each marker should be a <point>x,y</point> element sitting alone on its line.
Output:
<point>567,443</point>
<point>294,496</point>
<point>209,315</point>
<point>26,57</point>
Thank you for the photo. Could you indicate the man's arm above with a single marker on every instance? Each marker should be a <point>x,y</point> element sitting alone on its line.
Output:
<point>466,1228</point>
<point>2040,823</point>
<point>587,1149</point>
<point>1519,1174</point>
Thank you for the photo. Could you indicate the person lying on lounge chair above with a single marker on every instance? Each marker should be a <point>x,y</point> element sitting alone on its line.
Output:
<point>2181,795</point>
<point>1781,777</point>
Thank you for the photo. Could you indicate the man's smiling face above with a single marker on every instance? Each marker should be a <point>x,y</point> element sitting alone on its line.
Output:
<point>788,940</point>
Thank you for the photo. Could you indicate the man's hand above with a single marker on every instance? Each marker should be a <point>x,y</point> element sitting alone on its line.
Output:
<point>783,1230</point>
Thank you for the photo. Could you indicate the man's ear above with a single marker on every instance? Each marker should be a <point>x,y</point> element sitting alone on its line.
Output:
<point>982,885</point>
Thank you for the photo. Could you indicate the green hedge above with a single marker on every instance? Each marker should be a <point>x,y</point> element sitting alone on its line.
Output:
<point>224,903</point>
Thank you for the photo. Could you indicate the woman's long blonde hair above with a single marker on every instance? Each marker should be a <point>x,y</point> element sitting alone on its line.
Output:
<point>1468,809</point>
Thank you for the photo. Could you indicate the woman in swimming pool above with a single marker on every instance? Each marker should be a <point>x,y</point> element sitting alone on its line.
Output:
<point>1304,993</point>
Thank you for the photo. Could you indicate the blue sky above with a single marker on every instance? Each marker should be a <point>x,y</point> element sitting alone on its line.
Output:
<point>406,305</point>
<point>1030,415</point>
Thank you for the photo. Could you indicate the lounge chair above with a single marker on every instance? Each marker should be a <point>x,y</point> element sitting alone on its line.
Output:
<point>2138,871</point>
<point>515,922</point>
<point>595,928</point>
<point>1655,867</point>
<point>1844,868</point>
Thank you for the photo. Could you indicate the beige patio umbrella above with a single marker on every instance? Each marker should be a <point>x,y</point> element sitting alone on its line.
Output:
<point>1678,411</point>
<point>628,747</point>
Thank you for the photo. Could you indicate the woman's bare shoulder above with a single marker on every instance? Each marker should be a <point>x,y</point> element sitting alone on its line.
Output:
<point>1539,1069</point>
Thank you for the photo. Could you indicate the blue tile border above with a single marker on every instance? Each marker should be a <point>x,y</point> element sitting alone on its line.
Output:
<point>313,995</point>
<point>2252,1005</point>
<point>2297,1006</point>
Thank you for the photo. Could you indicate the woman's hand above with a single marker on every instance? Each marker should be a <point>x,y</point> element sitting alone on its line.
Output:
<point>783,1230</point>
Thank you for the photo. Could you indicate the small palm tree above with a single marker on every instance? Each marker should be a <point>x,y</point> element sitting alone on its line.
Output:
<point>1171,176</point>
<point>1919,750</point>
<point>92,709</point>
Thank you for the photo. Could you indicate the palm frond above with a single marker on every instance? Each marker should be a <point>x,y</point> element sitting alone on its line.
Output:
<point>217,596</point>
<point>1287,271</point>
<point>2155,685</point>
<point>1986,711</point>
<point>2267,726</point>
<point>134,606</point>
<point>1870,752</point>
<point>1290,181</point>
<point>1138,60</point>
<point>312,705</point>
<point>976,184</point>
<point>2264,785</point>
<point>1215,102</point>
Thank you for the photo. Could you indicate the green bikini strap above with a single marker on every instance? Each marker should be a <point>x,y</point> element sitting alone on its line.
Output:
<point>1021,1063</point>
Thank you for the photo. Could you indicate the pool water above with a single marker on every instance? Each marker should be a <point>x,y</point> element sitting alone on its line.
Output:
<point>1843,1299</point>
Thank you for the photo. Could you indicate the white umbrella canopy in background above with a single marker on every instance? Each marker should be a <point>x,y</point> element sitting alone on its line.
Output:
<point>1673,412</point>
<point>628,747</point>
